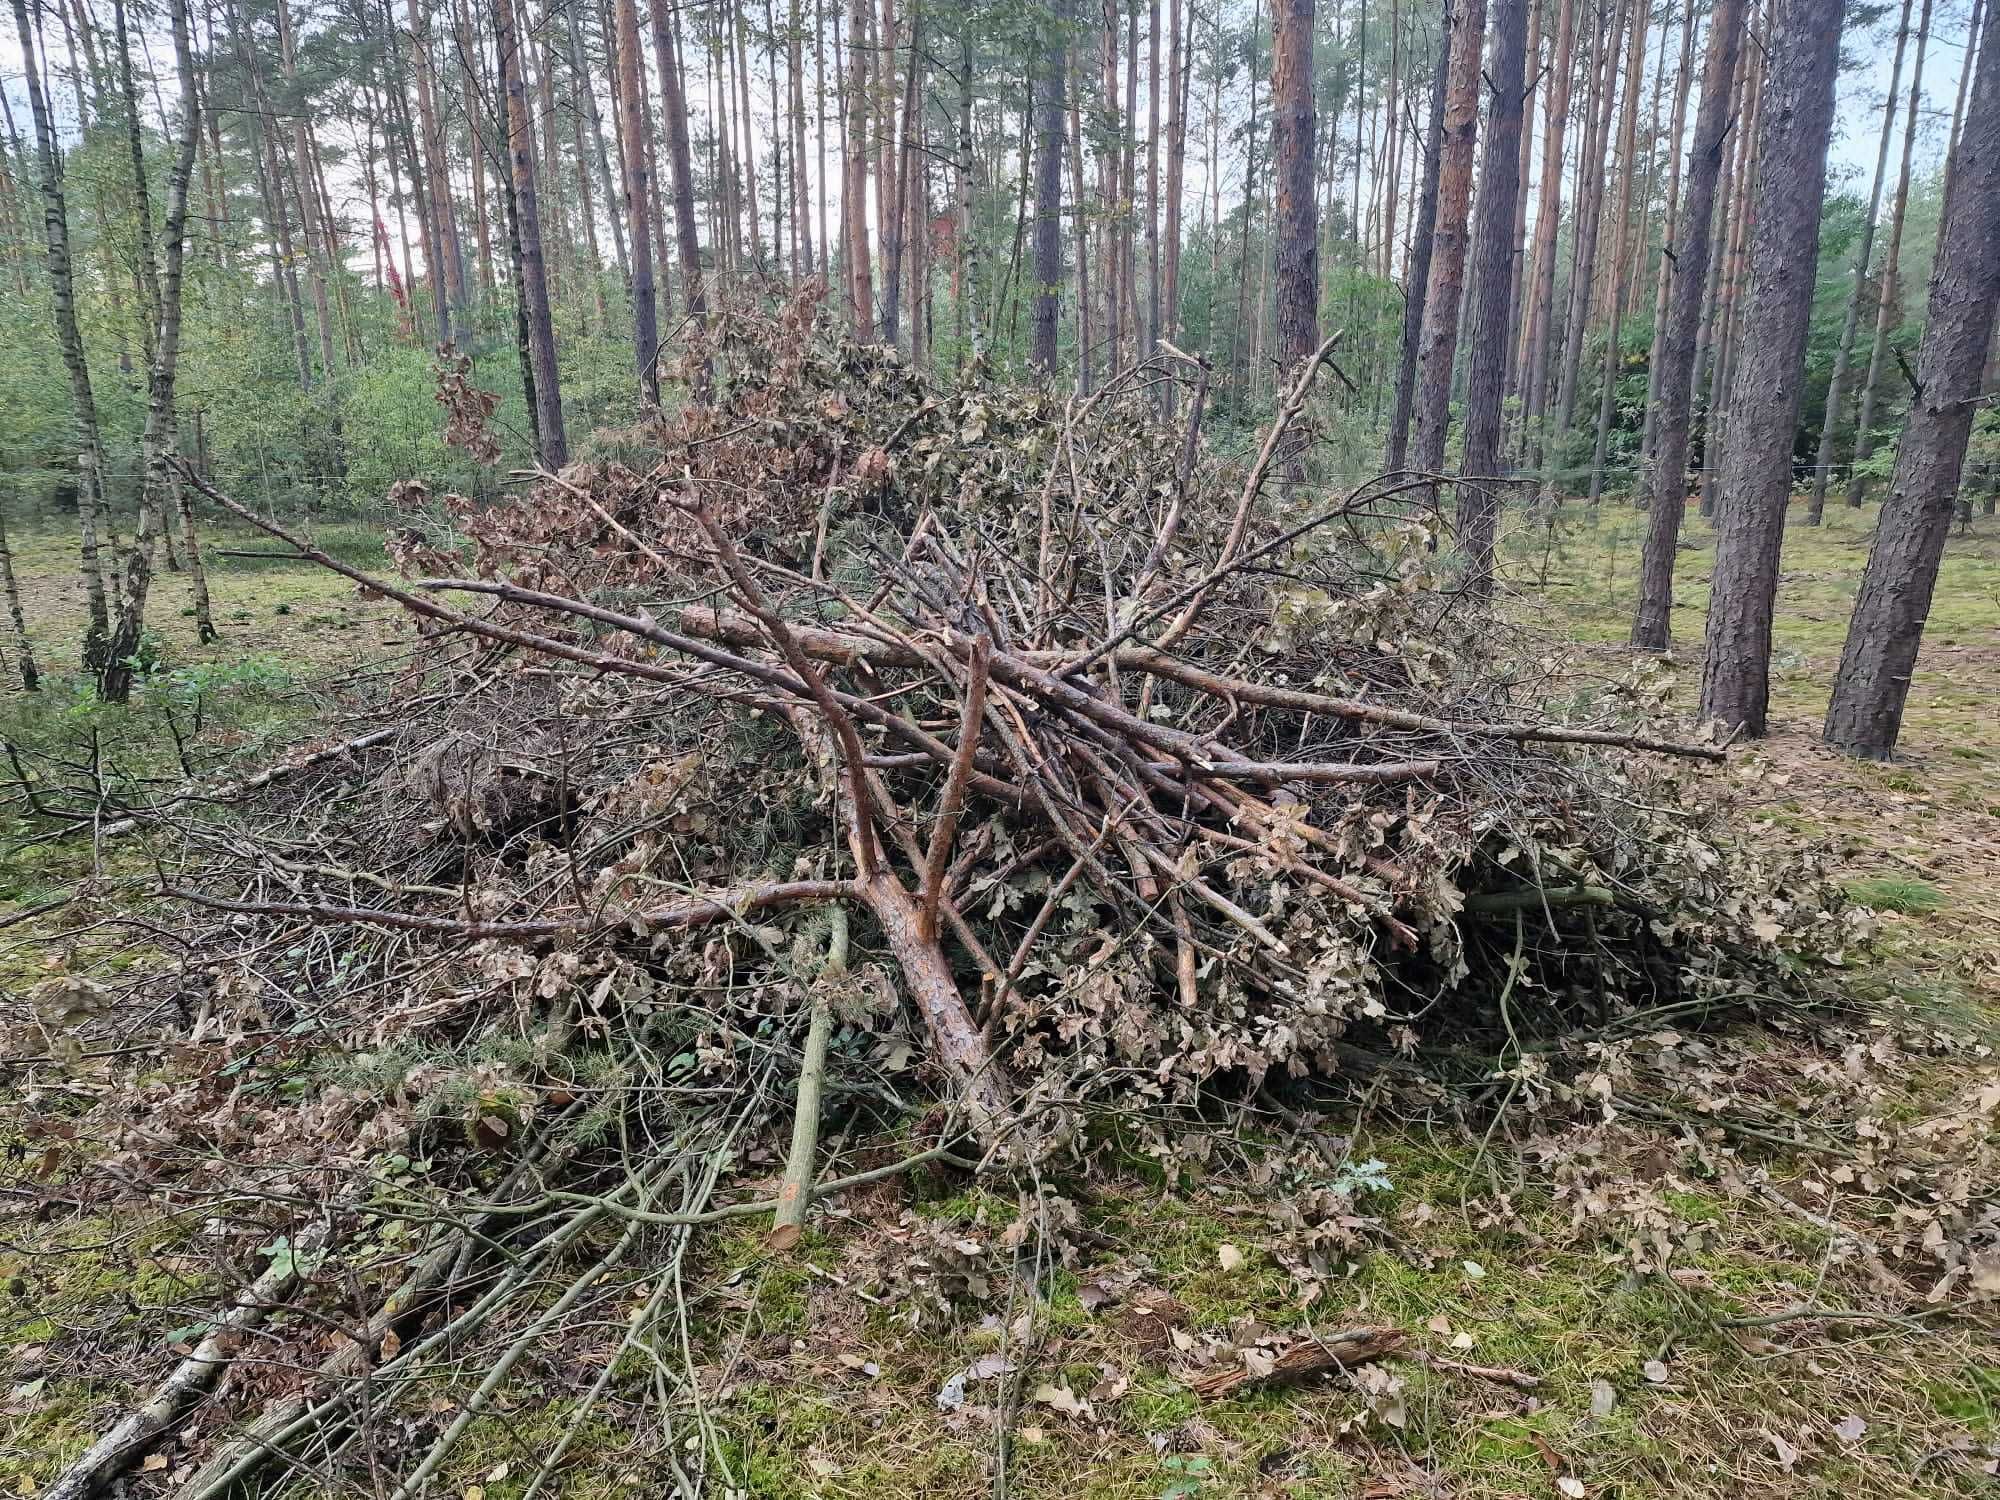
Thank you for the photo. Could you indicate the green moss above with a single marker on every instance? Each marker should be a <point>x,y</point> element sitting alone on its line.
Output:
<point>1971,1396</point>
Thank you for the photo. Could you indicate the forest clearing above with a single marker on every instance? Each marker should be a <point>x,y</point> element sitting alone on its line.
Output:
<point>941,748</point>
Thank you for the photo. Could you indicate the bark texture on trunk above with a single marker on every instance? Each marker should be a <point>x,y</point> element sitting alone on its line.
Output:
<point>69,336</point>
<point>1438,345</point>
<point>1887,627</point>
<point>1049,79</point>
<point>860,275</point>
<point>1764,394</point>
<point>1293,125</point>
<point>1538,334</point>
<point>680,155</point>
<point>534,288</point>
<point>1422,240</point>
<point>159,497</point>
<point>638,197</point>
<point>1492,296</point>
<point>24,648</point>
<point>1688,277</point>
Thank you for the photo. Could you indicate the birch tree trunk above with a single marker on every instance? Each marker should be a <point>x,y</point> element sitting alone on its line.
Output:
<point>90,446</point>
<point>159,496</point>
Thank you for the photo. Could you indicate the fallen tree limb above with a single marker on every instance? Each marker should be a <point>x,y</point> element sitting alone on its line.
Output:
<point>1308,1358</point>
<point>113,1453</point>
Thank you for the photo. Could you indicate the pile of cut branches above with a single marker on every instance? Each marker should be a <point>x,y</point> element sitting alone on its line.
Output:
<point>1140,774</point>
<point>849,726</point>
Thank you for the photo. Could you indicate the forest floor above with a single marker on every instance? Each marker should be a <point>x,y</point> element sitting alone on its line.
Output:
<point>1689,1336</point>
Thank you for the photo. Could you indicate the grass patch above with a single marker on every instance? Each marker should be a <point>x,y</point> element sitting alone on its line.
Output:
<point>1898,893</point>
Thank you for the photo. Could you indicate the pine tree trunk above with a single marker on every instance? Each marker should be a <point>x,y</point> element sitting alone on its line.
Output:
<point>450,272</point>
<point>1888,297</point>
<point>1492,295</point>
<point>551,442</point>
<point>1085,353</point>
<point>1687,277</point>
<point>1293,126</point>
<point>1153,177</point>
<point>748,155</point>
<point>592,126</point>
<point>802,185</point>
<point>1438,345</point>
<point>638,198</point>
<point>1879,660</point>
<point>1958,106</point>
<point>861,280</point>
<point>1764,394</point>
<point>895,208</point>
<point>318,259</point>
<point>1628,166</point>
<point>1539,324</point>
<point>680,156</point>
<point>550,178</point>
<point>1423,238</point>
<point>90,446</point>
<point>1179,79</point>
<point>1663,279</point>
<point>1836,389</point>
<point>1107,191</point>
<point>1523,157</point>
<point>968,240</point>
<point>1589,219</point>
<point>1728,280</point>
<point>1049,81</point>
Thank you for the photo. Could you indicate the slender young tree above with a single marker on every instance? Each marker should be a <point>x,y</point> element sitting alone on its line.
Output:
<point>1492,295</point>
<point>1687,270</point>
<point>533,291</point>
<point>1589,216</point>
<point>159,497</point>
<point>1663,279</point>
<point>680,155</point>
<point>24,646</point>
<point>1836,388</point>
<point>1764,395</point>
<point>1880,657</point>
<point>860,277</point>
<point>1888,299</point>
<point>1423,242</point>
<point>69,338</point>
<point>1538,333</point>
<point>638,196</point>
<point>1438,345</point>
<point>1618,281</point>
<point>1050,74</point>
